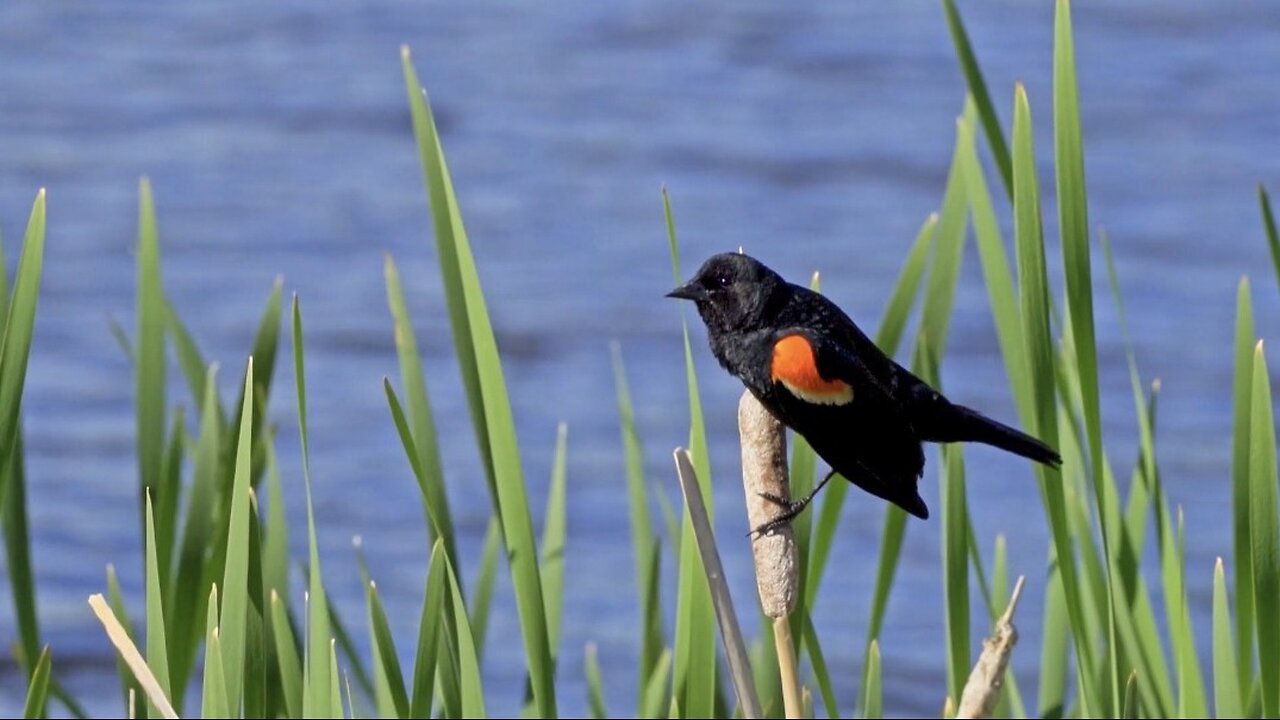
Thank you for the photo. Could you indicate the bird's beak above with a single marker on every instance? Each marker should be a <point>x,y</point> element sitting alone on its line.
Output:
<point>688,291</point>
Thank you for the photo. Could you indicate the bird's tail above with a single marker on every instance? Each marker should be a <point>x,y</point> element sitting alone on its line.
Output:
<point>971,425</point>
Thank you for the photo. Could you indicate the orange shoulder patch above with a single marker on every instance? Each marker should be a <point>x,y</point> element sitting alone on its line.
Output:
<point>795,367</point>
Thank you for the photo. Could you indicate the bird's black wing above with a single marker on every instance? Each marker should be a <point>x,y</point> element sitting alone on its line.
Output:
<point>869,439</point>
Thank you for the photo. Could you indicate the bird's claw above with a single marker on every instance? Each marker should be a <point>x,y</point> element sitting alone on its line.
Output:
<point>790,510</point>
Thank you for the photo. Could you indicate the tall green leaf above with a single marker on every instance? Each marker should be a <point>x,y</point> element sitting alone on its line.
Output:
<point>19,313</point>
<point>235,588</point>
<point>429,472</point>
<point>1265,537</point>
<point>1269,224</point>
<point>872,694</point>
<point>643,537</point>
<point>157,655</point>
<point>462,287</point>
<point>391,697</point>
<point>186,591</point>
<point>286,657</point>
<point>1226,677</point>
<point>1240,481</point>
<point>1033,287</point>
<point>38,688</point>
<point>150,368</point>
<point>554,531</point>
<point>695,642</point>
<point>429,647</point>
<point>317,692</point>
<point>972,72</point>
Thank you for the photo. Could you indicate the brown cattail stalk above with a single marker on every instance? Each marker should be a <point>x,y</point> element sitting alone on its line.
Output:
<point>764,472</point>
<point>985,682</point>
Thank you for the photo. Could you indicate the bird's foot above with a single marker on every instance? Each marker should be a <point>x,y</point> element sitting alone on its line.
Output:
<point>789,511</point>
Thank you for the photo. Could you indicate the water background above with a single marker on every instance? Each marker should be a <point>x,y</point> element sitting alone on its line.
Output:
<point>814,135</point>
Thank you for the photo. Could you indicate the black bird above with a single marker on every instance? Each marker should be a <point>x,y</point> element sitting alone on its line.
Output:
<point>819,374</point>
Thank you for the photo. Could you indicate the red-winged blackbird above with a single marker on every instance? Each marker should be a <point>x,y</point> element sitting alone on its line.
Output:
<point>811,366</point>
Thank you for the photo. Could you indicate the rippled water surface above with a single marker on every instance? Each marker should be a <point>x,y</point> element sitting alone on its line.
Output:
<point>815,135</point>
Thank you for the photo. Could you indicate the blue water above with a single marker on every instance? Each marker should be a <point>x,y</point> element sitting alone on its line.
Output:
<point>816,136</point>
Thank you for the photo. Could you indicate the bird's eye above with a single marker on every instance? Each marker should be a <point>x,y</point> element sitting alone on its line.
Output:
<point>723,280</point>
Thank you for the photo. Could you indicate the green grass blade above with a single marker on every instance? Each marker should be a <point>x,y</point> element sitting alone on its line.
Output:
<point>999,279</point>
<point>38,687</point>
<point>595,685</point>
<point>1269,224</point>
<point>1073,223</point>
<point>472,690</point>
<point>819,662</point>
<point>122,339</point>
<point>166,496</point>
<point>1240,481</point>
<point>190,360</point>
<point>907,287</point>
<point>1264,534</point>
<point>424,664</point>
<point>643,538</point>
<point>19,323</point>
<point>392,700</point>
<point>872,694</point>
<point>944,273</point>
<point>275,544</point>
<point>1226,676</point>
<point>696,685</point>
<point>157,654</point>
<point>1051,701</point>
<point>1130,706</point>
<point>286,657</point>
<point>265,343</point>
<point>150,369</point>
<point>317,692</point>
<point>482,597</point>
<point>259,694</point>
<point>1041,375</point>
<point>235,588</point>
<point>428,469</point>
<point>1136,624</point>
<point>1191,697</point>
<point>655,700</point>
<point>936,316</point>
<point>214,689</point>
<point>972,72</point>
<point>435,516</point>
<point>335,683</point>
<point>955,569</point>
<point>501,448</point>
<point>554,531</point>
<point>17,543</point>
<point>19,311</point>
<point>187,592</point>
<point>449,231</point>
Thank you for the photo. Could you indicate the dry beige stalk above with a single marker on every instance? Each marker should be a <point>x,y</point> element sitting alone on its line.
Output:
<point>983,688</point>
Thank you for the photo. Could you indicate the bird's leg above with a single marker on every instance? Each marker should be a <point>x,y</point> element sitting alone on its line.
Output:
<point>790,508</point>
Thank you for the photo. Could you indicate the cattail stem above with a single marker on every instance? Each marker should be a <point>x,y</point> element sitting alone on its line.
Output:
<point>792,699</point>
<point>764,472</point>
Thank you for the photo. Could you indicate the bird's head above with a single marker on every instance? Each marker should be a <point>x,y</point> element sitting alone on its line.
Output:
<point>731,291</point>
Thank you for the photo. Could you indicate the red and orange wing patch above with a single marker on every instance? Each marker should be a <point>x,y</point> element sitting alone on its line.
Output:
<point>795,366</point>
